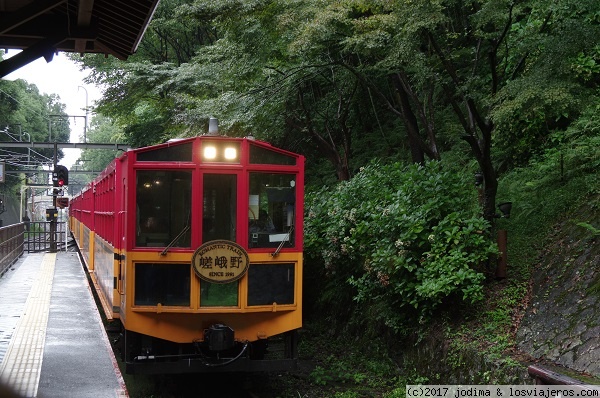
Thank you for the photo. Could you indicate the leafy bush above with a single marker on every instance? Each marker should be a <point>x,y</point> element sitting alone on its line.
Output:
<point>555,181</point>
<point>405,238</point>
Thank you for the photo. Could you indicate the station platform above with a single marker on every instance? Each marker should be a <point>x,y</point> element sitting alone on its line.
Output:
<point>52,341</point>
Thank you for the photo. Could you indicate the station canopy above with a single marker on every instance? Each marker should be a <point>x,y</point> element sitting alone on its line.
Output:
<point>41,28</point>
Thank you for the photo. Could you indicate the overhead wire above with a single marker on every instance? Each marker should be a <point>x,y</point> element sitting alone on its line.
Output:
<point>32,161</point>
<point>20,103</point>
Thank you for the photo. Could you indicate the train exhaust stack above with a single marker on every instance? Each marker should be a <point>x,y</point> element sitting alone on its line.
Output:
<point>213,126</point>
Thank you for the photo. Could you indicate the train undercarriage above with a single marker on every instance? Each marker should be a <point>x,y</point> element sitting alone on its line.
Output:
<point>144,354</point>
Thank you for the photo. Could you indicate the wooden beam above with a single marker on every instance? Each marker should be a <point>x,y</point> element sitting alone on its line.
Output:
<point>44,48</point>
<point>84,20</point>
<point>24,14</point>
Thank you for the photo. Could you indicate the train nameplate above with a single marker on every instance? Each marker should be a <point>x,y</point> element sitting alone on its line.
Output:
<point>220,261</point>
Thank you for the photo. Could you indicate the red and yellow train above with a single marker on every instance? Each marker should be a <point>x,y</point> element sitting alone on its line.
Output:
<point>195,246</point>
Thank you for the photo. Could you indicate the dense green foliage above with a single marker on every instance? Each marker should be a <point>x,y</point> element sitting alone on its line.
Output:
<point>544,194</point>
<point>405,238</point>
<point>348,81</point>
<point>554,182</point>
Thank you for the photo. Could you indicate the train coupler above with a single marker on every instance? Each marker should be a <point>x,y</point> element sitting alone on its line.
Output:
<point>219,337</point>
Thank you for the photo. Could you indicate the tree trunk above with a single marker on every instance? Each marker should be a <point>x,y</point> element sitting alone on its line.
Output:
<point>410,122</point>
<point>482,151</point>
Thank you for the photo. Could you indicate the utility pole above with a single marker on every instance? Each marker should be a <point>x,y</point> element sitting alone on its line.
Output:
<point>87,111</point>
<point>53,213</point>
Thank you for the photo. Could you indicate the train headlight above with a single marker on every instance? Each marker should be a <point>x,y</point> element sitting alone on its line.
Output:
<point>230,153</point>
<point>221,152</point>
<point>210,153</point>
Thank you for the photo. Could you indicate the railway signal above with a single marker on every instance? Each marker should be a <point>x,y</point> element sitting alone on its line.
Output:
<point>60,177</point>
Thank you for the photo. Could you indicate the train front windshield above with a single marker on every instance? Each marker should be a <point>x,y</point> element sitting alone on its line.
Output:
<point>164,209</point>
<point>271,210</point>
<point>164,202</point>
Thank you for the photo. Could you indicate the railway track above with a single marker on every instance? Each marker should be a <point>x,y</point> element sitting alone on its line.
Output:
<point>217,385</point>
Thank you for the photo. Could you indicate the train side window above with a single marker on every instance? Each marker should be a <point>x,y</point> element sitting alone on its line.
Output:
<point>167,284</point>
<point>164,202</point>
<point>271,283</point>
<point>259,155</point>
<point>174,153</point>
<point>271,210</point>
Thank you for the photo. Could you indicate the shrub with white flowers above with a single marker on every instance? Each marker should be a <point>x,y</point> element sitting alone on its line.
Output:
<point>405,238</point>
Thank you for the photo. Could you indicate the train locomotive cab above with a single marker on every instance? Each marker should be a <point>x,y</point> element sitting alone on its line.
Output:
<point>196,247</point>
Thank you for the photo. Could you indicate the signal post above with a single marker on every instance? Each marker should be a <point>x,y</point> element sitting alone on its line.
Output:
<point>60,179</point>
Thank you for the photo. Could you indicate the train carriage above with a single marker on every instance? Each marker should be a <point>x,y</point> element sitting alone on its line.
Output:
<point>195,246</point>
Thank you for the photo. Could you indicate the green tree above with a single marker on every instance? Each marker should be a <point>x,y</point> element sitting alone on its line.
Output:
<point>503,70</point>
<point>102,131</point>
<point>350,78</point>
<point>142,94</point>
<point>27,115</point>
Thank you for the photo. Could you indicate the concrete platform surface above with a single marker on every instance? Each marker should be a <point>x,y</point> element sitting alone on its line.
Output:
<point>52,342</point>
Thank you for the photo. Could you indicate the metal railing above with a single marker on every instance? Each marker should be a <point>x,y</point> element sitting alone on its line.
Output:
<point>39,236</point>
<point>545,376</point>
<point>11,245</point>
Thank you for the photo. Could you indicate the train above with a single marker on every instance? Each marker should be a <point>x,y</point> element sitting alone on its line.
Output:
<point>194,247</point>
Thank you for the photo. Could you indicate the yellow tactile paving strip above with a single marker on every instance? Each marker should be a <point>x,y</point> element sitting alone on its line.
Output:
<point>23,361</point>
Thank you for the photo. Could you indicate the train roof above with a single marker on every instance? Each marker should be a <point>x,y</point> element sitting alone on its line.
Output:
<point>181,150</point>
<point>209,137</point>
